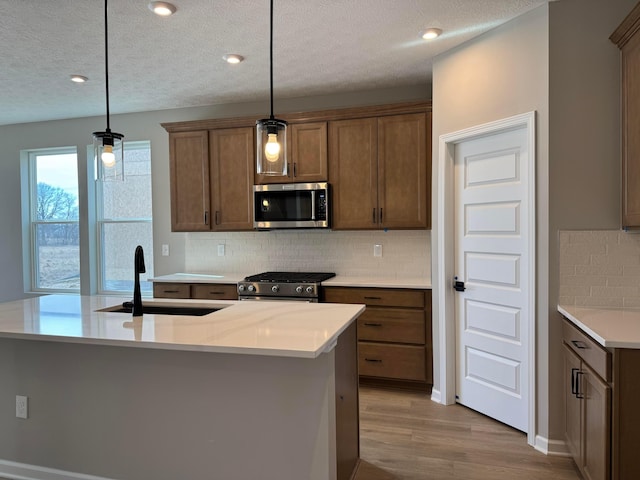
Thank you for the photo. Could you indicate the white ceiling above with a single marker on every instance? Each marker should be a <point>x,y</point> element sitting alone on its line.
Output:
<point>155,63</point>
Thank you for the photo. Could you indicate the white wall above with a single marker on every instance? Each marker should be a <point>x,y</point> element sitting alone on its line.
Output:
<point>146,126</point>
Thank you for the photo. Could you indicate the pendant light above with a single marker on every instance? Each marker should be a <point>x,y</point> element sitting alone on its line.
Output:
<point>107,145</point>
<point>271,132</point>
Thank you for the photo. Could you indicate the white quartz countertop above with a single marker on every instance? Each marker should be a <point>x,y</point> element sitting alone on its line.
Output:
<point>610,327</point>
<point>337,281</point>
<point>286,329</point>
<point>199,278</point>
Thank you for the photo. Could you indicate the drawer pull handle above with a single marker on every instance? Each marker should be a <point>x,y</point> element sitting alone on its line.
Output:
<point>369,324</point>
<point>373,298</point>
<point>579,344</point>
<point>216,293</point>
<point>574,383</point>
<point>579,394</point>
<point>373,360</point>
<point>171,291</point>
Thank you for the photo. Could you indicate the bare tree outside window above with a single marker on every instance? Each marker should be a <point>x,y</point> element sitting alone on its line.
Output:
<point>54,220</point>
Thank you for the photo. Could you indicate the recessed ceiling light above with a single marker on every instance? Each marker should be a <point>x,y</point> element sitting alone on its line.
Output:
<point>79,78</point>
<point>431,33</point>
<point>164,9</point>
<point>233,58</point>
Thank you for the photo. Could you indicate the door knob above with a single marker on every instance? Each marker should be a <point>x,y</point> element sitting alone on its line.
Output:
<point>458,285</point>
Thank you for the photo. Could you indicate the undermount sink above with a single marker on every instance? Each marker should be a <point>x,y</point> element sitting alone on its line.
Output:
<point>163,310</point>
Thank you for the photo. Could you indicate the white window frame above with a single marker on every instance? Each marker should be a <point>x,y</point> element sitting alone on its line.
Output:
<point>100,222</point>
<point>30,261</point>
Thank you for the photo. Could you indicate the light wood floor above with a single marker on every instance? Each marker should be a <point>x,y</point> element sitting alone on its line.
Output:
<point>406,436</point>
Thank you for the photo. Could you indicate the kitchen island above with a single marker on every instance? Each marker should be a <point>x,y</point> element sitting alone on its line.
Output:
<point>254,390</point>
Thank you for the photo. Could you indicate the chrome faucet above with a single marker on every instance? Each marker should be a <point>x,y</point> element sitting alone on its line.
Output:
<point>138,263</point>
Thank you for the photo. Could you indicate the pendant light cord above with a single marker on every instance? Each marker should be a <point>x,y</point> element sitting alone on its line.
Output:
<point>106,61</point>
<point>270,56</point>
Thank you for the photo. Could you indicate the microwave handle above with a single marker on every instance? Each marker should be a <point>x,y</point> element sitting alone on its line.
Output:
<point>313,205</point>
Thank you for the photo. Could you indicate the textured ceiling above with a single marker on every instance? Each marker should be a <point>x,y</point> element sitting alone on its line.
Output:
<point>155,63</point>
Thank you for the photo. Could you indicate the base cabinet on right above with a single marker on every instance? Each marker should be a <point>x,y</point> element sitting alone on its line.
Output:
<point>602,418</point>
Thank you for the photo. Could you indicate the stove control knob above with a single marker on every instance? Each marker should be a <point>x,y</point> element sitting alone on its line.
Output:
<point>309,289</point>
<point>299,289</point>
<point>241,288</point>
<point>275,289</point>
<point>251,288</point>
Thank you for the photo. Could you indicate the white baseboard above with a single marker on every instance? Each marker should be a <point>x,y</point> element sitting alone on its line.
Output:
<point>551,447</point>
<point>23,471</point>
<point>436,396</point>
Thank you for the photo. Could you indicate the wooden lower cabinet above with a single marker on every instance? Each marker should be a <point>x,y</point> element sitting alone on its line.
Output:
<point>205,291</point>
<point>602,418</point>
<point>394,334</point>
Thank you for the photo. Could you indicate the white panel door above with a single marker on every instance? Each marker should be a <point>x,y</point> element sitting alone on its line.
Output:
<point>491,258</point>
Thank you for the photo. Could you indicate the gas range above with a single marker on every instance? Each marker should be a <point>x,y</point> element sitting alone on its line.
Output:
<point>282,286</point>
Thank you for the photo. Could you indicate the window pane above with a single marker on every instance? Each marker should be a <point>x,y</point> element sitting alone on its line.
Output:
<point>57,256</point>
<point>56,187</point>
<point>119,242</point>
<point>132,197</point>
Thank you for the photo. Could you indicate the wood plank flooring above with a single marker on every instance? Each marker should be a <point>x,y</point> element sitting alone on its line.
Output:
<point>406,436</point>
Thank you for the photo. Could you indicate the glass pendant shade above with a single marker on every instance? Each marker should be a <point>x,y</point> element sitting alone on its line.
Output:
<point>108,155</point>
<point>271,154</point>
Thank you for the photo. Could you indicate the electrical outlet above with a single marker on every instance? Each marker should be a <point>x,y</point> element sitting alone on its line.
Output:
<point>22,409</point>
<point>165,250</point>
<point>377,250</point>
<point>221,249</point>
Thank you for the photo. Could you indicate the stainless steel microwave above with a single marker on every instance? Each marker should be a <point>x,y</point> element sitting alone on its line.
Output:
<point>291,205</point>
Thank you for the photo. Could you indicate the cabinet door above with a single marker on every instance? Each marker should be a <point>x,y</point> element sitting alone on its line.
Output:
<point>189,177</point>
<point>309,152</point>
<point>171,290</point>
<point>596,427</point>
<point>232,159</point>
<point>307,146</point>
<point>631,132</point>
<point>572,404</point>
<point>214,291</point>
<point>353,173</point>
<point>403,171</point>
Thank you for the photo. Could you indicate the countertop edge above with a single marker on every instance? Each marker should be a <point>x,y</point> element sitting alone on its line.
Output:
<point>576,321</point>
<point>337,281</point>
<point>593,332</point>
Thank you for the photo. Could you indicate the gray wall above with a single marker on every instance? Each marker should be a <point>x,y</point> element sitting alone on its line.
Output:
<point>558,61</point>
<point>138,126</point>
<point>498,75</point>
<point>584,143</point>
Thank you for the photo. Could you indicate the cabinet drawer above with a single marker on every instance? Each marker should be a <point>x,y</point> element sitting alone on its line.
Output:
<point>392,325</point>
<point>404,362</point>
<point>385,297</point>
<point>597,357</point>
<point>171,290</point>
<point>215,291</point>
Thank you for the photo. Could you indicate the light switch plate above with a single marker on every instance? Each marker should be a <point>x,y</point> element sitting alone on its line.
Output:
<point>165,250</point>
<point>377,250</point>
<point>221,249</point>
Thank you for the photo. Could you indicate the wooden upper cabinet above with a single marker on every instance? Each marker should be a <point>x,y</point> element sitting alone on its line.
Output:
<point>627,38</point>
<point>353,173</point>
<point>377,160</point>
<point>189,177</point>
<point>380,172</point>
<point>232,158</point>
<point>307,147</point>
<point>404,180</point>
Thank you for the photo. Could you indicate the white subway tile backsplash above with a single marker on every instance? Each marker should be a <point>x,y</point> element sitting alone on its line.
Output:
<point>599,268</point>
<point>405,253</point>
